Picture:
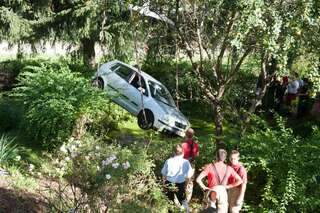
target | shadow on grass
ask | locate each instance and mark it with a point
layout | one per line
(17, 201)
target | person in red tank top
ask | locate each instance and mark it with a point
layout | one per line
(191, 151)
(218, 174)
(190, 146)
(236, 195)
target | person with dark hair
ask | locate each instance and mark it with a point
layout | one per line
(218, 174)
(279, 94)
(191, 151)
(236, 194)
(176, 172)
(303, 99)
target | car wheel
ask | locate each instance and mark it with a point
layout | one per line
(98, 82)
(145, 122)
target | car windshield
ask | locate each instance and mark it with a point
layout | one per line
(160, 93)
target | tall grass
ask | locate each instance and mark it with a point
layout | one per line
(8, 150)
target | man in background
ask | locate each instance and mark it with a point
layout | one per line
(236, 194)
(191, 151)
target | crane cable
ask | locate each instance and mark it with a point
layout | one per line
(138, 67)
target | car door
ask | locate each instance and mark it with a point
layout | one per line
(118, 82)
(134, 93)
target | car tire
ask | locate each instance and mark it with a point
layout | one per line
(98, 83)
(145, 122)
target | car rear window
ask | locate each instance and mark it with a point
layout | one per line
(114, 67)
(123, 71)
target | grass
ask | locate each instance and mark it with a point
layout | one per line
(19, 180)
(8, 150)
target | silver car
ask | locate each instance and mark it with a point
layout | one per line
(142, 96)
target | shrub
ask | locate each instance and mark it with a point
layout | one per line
(282, 169)
(54, 99)
(107, 176)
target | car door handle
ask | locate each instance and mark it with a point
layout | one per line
(125, 97)
(134, 103)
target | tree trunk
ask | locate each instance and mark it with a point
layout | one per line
(268, 69)
(218, 118)
(20, 50)
(79, 129)
(88, 52)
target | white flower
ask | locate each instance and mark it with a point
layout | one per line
(73, 147)
(126, 165)
(78, 142)
(108, 176)
(71, 139)
(106, 162)
(18, 157)
(87, 157)
(67, 159)
(31, 167)
(74, 154)
(113, 157)
(63, 149)
(109, 160)
(115, 165)
(97, 147)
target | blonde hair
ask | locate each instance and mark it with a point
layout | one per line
(235, 152)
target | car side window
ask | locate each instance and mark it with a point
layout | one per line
(123, 71)
(135, 82)
(114, 67)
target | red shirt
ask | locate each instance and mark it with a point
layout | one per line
(213, 180)
(188, 153)
(241, 171)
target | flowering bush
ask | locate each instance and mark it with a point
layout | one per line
(107, 176)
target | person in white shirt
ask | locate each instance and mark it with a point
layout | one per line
(292, 90)
(176, 171)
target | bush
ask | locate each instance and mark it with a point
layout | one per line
(107, 176)
(282, 169)
(55, 99)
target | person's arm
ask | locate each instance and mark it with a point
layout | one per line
(164, 171)
(190, 171)
(236, 183)
(164, 178)
(196, 149)
(243, 185)
(242, 192)
(203, 174)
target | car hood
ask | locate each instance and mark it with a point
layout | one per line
(174, 112)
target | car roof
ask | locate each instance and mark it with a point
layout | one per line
(143, 74)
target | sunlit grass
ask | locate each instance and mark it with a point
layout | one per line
(18, 180)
